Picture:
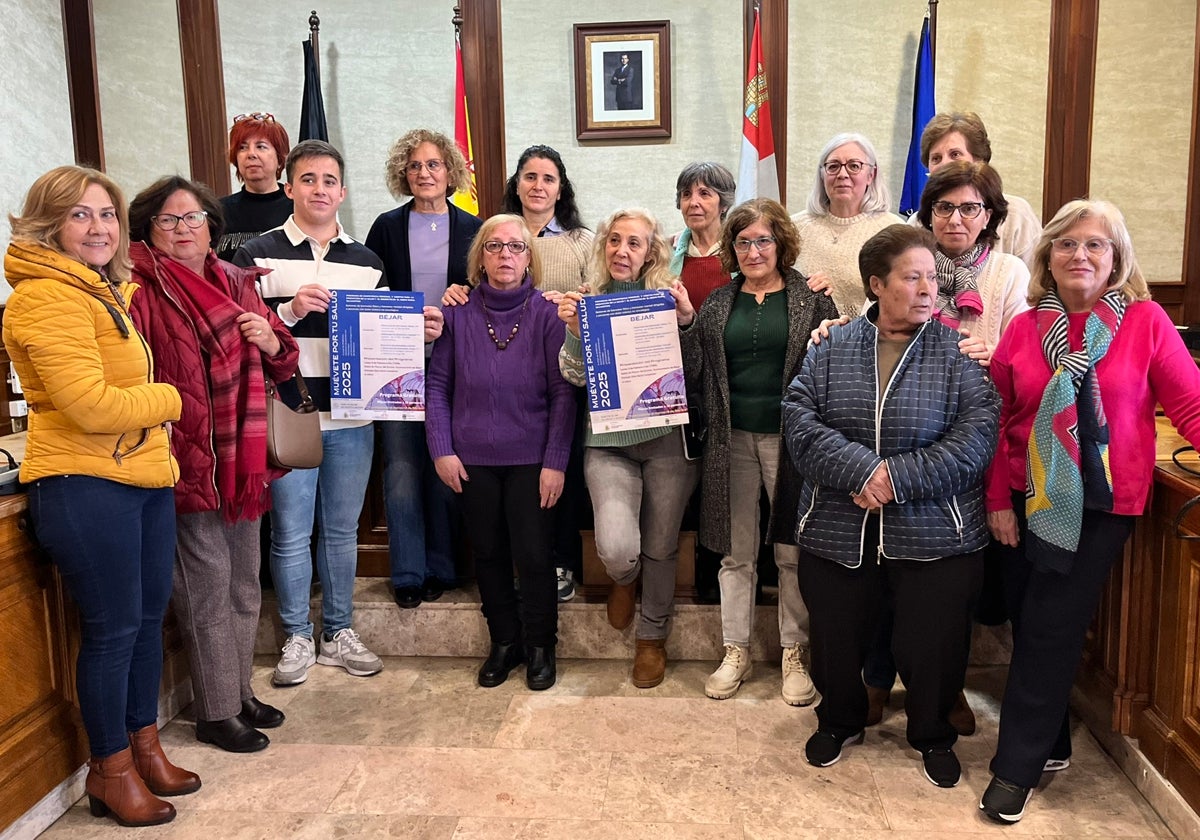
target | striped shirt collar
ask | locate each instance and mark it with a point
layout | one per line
(295, 235)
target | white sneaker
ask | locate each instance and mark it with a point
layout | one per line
(299, 654)
(734, 669)
(346, 651)
(798, 688)
(566, 584)
(1053, 765)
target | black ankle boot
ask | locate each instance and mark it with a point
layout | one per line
(540, 673)
(504, 657)
(232, 735)
(260, 715)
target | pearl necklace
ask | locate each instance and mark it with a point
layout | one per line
(487, 317)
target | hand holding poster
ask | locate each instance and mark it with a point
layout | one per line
(632, 359)
(376, 355)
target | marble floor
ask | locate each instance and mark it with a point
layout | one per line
(421, 752)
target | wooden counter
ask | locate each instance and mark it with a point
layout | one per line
(1143, 654)
(41, 735)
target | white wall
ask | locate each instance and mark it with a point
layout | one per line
(35, 137)
(706, 97)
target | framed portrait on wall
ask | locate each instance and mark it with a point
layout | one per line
(623, 80)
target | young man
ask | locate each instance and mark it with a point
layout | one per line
(309, 255)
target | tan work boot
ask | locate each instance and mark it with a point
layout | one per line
(622, 601)
(734, 669)
(961, 717)
(798, 688)
(650, 662)
(877, 698)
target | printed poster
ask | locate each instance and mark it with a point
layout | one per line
(632, 360)
(376, 355)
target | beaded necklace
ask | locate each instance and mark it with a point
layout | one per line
(487, 317)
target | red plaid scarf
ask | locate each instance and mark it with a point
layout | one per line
(236, 383)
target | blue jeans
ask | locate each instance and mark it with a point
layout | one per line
(114, 546)
(421, 510)
(335, 492)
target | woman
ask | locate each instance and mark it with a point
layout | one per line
(961, 136)
(640, 480)
(703, 193)
(744, 349)
(258, 146)
(541, 193)
(216, 341)
(499, 426)
(423, 244)
(99, 468)
(847, 206)
(892, 428)
(980, 291)
(1093, 357)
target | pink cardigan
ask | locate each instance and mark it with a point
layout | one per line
(1146, 364)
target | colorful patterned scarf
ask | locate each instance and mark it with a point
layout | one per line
(1066, 466)
(958, 295)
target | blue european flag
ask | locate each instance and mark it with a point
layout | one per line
(923, 111)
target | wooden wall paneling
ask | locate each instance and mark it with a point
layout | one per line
(83, 88)
(1191, 234)
(1070, 86)
(204, 92)
(483, 75)
(775, 57)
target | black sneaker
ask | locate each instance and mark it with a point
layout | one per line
(825, 748)
(941, 767)
(1003, 801)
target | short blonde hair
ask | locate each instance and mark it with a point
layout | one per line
(49, 201)
(475, 254)
(398, 155)
(1126, 274)
(656, 270)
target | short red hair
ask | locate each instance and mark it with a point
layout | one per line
(244, 131)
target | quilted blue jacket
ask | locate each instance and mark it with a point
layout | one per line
(935, 427)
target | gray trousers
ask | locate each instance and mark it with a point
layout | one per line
(216, 600)
(753, 465)
(639, 494)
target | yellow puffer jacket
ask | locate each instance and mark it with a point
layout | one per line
(86, 373)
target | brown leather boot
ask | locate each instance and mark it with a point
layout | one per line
(961, 717)
(161, 776)
(650, 662)
(877, 698)
(113, 785)
(622, 601)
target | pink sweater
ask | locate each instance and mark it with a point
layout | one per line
(1146, 364)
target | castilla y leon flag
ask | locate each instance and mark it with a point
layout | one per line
(757, 175)
(468, 199)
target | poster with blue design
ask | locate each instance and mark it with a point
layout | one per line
(632, 361)
(376, 355)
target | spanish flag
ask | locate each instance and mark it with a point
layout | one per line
(467, 200)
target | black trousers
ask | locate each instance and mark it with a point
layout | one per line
(1050, 614)
(507, 526)
(933, 601)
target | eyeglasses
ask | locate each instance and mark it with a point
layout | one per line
(434, 166)
(763, 243)
(833, 167)
(968, 209)
(169, 221)
(495, 246)
(260, 116)
(1066, 247)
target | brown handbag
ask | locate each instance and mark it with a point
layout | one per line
(293, 435)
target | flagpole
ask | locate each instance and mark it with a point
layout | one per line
(314, 36)
(933, 4)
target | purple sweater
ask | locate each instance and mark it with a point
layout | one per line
(495, 407)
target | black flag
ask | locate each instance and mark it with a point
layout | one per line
(312, 108)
